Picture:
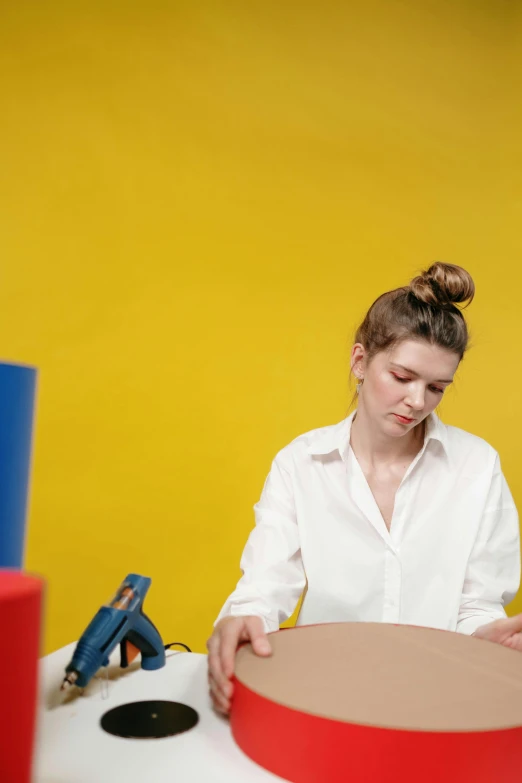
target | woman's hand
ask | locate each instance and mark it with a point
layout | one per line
(506, 632)
(222, 646)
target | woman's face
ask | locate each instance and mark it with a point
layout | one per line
(403, 386)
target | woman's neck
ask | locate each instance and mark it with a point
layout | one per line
(376, 448)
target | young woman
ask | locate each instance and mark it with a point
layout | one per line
(390, 515)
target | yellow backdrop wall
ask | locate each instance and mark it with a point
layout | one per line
(199, 201)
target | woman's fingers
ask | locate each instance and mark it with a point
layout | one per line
(500, 631)
(221, 703)
(217, 681)
(230, 636)
(214, 665)
(514, 642)
(507, 631)
(512, 625)
(258, 637)
(222, 647)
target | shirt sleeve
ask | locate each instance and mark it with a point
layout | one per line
(273, 575)
(493, 570)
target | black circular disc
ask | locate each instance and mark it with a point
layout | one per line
(149, 719)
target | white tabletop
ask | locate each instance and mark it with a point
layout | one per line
(71, 746)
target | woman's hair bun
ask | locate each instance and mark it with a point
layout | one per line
(443, 285)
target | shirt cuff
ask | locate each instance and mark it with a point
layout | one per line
(243, 612)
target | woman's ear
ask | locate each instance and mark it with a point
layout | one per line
(357, 360)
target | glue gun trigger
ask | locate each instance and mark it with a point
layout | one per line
(128, 652)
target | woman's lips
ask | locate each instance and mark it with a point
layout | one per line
(403, 419)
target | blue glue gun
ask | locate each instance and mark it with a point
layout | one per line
(122, 622)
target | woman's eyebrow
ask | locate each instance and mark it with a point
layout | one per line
(412, 372)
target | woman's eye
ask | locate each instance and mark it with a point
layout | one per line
(402, 379)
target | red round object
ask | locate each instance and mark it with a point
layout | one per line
(378, 703)
(20, 623)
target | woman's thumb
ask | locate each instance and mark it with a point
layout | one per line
(259, 639)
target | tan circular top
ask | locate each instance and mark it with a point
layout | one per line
(389, 676)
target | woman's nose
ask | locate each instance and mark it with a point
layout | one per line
(416, 400)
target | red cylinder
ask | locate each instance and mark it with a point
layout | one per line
(306, 748)
(377, 703)
(20, 626)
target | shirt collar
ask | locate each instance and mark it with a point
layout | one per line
(337, 437)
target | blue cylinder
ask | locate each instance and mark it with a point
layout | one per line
(17, 397)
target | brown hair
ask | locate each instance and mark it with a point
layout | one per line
(423, 310)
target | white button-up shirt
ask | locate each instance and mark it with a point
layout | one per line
(450, 560)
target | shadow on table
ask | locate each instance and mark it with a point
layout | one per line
(55, 698)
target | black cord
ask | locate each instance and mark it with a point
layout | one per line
(173, 644)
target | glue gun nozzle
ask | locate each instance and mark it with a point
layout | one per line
(69, 680)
